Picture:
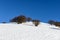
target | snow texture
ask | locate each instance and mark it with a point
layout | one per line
(27, 31)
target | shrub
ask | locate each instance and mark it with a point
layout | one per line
(29, 19)
(57, 24)
(51, 22)
(14, 19)
(3, 22)
(36, 22)
(54, 23)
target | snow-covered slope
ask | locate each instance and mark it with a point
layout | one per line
(27, 31)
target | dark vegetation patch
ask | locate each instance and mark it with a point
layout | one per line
(22, 19)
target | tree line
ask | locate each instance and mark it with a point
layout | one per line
(22, 19)
(52, 22)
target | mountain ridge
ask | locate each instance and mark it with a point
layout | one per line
(27, 31)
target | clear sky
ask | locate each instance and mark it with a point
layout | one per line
(43, 10)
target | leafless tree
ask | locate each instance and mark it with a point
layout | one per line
(21, 19)
(13, 19)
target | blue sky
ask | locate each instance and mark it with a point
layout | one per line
(43, 10)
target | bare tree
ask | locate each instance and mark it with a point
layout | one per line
(14, 19)
(21, 19)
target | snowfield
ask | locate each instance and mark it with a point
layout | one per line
(27, 31)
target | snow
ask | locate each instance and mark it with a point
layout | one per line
(27, 31)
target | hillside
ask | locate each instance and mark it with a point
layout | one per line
(27, 31)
